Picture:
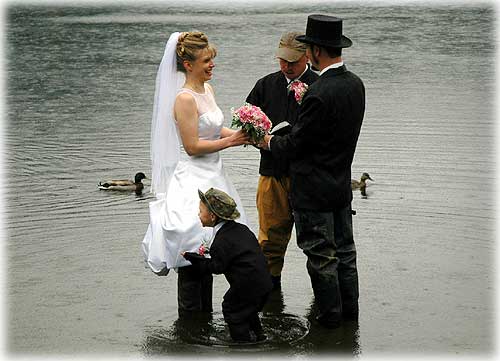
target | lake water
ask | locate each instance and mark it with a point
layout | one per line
(79, 91)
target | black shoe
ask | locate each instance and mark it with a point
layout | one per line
(276, 282)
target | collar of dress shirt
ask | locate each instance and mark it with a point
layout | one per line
(333, 66)
(217, 227)
(290, 80)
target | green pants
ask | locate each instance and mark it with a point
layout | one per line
(275, 220)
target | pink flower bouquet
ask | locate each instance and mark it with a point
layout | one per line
(299, 88)
(252, 120)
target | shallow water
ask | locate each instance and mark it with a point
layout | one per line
(80, 83)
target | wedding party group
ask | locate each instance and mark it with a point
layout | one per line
(305, 119)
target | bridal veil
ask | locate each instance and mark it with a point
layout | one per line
(165, 145)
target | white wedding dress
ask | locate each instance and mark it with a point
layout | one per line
(174, 224)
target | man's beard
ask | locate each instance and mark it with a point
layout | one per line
(313, 60)
(313, 67)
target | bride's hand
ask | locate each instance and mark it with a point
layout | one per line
(239, 137)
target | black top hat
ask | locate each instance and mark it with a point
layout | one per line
(325, 30)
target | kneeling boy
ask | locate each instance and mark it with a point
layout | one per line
(235, 252)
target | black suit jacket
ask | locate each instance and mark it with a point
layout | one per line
(271, 95)
(322, 142)
(235, 252)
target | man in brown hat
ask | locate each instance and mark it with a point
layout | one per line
(321, 148)
(272, 95)
(234, 252)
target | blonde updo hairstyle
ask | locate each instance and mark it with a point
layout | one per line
(189, 45)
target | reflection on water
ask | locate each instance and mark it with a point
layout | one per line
(342, 340)
(287, 334)
(194, 333)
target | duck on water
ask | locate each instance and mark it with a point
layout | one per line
(361, 184)
(124, 185)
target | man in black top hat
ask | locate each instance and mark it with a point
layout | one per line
(321, 146)
(272, 94)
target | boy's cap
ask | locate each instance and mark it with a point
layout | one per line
(219, 203)
(289, 48)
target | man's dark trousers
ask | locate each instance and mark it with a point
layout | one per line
(327, 240)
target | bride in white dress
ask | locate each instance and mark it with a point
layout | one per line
(186, 136)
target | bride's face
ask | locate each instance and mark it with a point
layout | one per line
(203, 66)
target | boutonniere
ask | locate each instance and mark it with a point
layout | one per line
(203, 249)
(299, 88)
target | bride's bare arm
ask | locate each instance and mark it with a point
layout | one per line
(227, 132)
(186, 115)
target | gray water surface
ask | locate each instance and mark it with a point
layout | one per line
(80, 84)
